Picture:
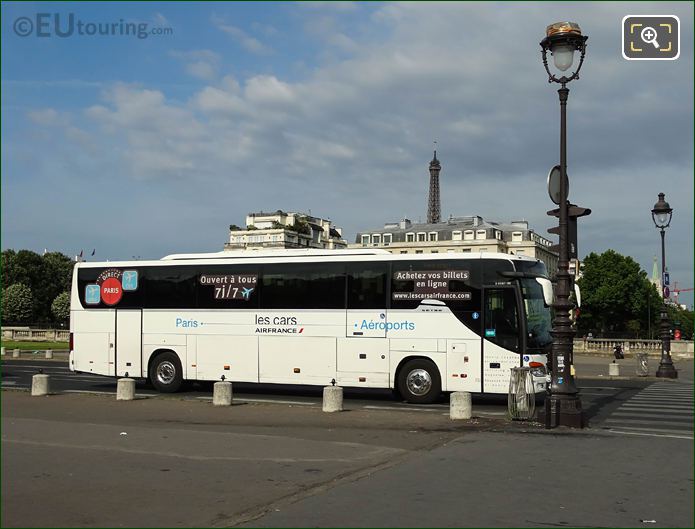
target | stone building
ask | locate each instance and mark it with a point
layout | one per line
(457, 234)
(282, 229)
(460, 234)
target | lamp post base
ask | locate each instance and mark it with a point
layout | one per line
(564, 410)
(666, 371)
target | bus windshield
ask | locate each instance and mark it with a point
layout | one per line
(538, 318)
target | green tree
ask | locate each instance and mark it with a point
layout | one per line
(17, 302)
(617, 297)
(61, 307)
(56, 277)
(46, 276)
(681, 319)
(8, 268)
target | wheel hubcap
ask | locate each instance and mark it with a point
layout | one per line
(419, 382)
(166, 371)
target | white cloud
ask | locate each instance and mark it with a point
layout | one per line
(329, 6)
(203, 64)
(215, 101)
(352, 138)
(202, 70)
(161, 20)
(248, 42)
(44, 116)
(268, 89)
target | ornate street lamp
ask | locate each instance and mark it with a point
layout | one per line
(563, 406)
(661, 214)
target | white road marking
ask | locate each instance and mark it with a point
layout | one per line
(661, 409)
(655, 415)
(641, 422)
(644, 434)
(267, 401)
(391, 408)
(84, 392)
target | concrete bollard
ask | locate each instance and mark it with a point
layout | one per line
(40, 385)
(2, 350)
(222, 394)
(460, 405)
(332, 399)
(49, 354)
(15, 353)
(125, 390)
(613, 369)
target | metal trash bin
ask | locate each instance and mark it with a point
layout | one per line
(521, 401)
(642, 366)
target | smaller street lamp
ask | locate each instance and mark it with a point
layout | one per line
(661, 215)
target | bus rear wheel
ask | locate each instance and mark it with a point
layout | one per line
(166, 374)
(419, 382)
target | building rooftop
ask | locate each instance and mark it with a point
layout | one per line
(452, 223)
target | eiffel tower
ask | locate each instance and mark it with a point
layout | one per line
(434, 212)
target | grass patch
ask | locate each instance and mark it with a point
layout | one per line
(34, 346)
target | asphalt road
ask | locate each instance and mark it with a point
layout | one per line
(599, 397)
(80, 458)
(87, 460)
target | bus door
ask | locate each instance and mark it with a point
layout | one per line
(501, 339)
(366, 300)
(94, 340)
(128, 350)
(363, 355)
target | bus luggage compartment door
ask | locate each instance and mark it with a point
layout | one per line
(128, 342)
(463, 366)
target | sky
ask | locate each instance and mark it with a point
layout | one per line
(142, 147)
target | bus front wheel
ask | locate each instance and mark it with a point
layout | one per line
(419, 382)
(165, 373)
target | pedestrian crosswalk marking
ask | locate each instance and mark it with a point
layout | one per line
(655, 399)
(662, 433)
(661, 410)
(620, 420)
(638, 411)
(652, 415)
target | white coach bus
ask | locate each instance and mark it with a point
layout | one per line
(420, 324)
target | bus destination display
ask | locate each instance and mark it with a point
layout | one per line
(231, 286)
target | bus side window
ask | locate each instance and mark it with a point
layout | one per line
(303, 286)
(501, 318)
(170, 287)
(366, 286)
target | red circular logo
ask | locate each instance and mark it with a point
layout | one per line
(111, 291)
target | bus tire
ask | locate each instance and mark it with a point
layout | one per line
(419, 382)
(166, 374)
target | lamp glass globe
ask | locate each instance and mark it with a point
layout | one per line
(563, 56)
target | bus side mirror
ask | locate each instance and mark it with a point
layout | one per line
(547, 290)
